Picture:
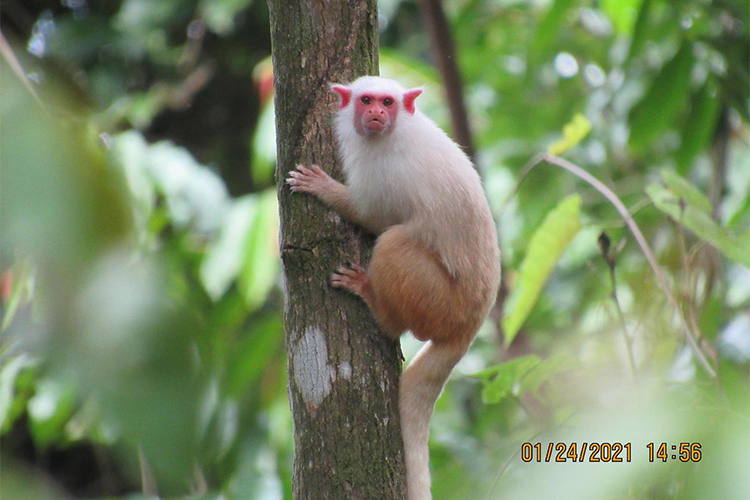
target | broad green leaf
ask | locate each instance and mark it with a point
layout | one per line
(639, 31)
(220, 15)
(549, 26)
(573, 133)
(224, 257)
(547, 369)
(740, 215)
(545, 248)
(195, 195)
(682, 188)
(499, 381)
(130, 152)
(49, 411)
(261, 264)
(663, 101)
(264, 147)
(8, 376)
(699, 127)
(251, 356)
(735, 247)
(622, 13)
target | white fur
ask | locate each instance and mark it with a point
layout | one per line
(415, 173)
(418, 177)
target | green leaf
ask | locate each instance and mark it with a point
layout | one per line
(264, 147)
(545, 248)
(699, 127)
(549, 26)
(8, 376)
(224, 257)
(622, 13)
(639, 31)
(220, 15)
(261, 265)
(663, 101)
(49, 411)
(251, 356)
(546, 370)
(499, 381)
(734, 247)
(682, 188)
(573, 133)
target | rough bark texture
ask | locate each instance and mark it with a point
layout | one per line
(343, 372)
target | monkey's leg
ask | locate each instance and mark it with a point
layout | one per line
(406, 287)
(412, 288)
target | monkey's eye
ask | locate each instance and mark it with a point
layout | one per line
(388, 101)
(366, 100)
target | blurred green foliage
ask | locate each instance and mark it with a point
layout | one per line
(141, 289)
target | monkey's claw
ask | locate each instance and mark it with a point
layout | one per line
(307, 180)
(352, 278)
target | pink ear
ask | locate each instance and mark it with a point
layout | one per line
(409, 97)
(345, 95)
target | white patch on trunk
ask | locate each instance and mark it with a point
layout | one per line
(312, 373)
(345, 370)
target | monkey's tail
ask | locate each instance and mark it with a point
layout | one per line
(420, 386)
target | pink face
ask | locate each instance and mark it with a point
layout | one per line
(375, 112)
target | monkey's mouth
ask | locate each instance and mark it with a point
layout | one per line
(375, 124)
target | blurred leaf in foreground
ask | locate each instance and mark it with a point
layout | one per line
(106, 323)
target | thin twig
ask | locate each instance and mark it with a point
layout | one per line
(10, 58)
(633, 210)
(618, 204)
(611, 260)
(691, 285)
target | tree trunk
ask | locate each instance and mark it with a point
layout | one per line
(343, 372)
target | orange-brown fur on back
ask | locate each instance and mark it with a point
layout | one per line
(435, 268)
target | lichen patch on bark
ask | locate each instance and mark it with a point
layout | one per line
(312, 373)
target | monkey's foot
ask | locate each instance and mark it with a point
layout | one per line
(308, 180)
(354, 279)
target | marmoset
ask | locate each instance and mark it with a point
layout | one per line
(435, 268)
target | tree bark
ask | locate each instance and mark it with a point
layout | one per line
(343, 372)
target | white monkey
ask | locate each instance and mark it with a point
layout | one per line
(435, 268)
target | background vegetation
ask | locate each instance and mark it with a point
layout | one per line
(141, 294)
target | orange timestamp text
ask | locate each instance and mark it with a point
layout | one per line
(576, 452)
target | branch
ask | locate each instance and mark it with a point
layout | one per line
(445, 50)
(612, 197)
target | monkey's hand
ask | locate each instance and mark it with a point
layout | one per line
(311, 180)
(331, 192)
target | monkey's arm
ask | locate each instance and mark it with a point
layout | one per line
(331, 192)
